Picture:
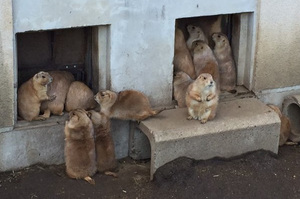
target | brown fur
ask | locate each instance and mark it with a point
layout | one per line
(59, 87)
(80, 153)
(202, 98)
(105, 149)
(182, 57)
(125, 105)
(31, 94)
(285, 127)
(195, 33)
(205, 61)
(180, 83)
(227, 68)
(80, 96)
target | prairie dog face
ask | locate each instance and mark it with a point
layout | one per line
(195, 30)
(105, 97)
(220, 39)
(79, 120)
(42, 78)
(206, 80)
(181, 77)
(200, 47)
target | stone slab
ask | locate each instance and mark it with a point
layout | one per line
(241, 126)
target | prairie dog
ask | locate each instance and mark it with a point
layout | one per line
(285, 127)
(205, 61)
(195, 33)
(182, 57)
(125, 105)
(180, 83)
(59, 87)
(105, 149)
(80, 153)
(202, 98)
(80, 96)
(227, 68)
(31, 94)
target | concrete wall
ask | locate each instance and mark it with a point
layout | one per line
(6, 66)
(141, 45)
(278, 47)
(142, 34)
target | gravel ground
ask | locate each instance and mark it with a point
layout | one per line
(258, 174)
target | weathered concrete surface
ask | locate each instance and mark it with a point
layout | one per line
(291, 108)
(37, 142)
(278, 45)
(6, 66)
(141, 34)
(241, 126)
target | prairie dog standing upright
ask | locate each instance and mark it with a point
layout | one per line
(125, 105)
(31, 94)
(59, 87)
(195, 33)
(182, 57)
(227, 68)
(202, 98)
(80, 96)
(80, 153)
(105, 149)
(205, 61)
(180, 83)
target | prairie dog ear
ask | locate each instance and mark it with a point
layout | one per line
(71, 114)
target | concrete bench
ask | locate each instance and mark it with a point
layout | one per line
(241, 126)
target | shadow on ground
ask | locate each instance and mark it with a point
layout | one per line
(254, 175)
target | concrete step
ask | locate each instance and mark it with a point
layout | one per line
(241, 126)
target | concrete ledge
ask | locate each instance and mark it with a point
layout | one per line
(43, 142)
(241, 126)
(291, 108)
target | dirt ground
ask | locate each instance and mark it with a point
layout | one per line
(254, 175)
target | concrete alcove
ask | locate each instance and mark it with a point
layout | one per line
(291, 108)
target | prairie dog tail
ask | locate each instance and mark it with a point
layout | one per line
(155, 112)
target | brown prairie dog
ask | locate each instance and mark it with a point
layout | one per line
(182, 57)
(195, 33)
(80, 155)
(180, 83)
(80, 96)
(205, 61)
(125, 105)
(227, 68)
(285, 128)
(105, 149)
(31, 94)
(202, 98)
(59, 87)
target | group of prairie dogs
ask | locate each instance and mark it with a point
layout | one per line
(88, 143)
(200, 72)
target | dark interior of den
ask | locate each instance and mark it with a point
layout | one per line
(62, 49)
(228, 24)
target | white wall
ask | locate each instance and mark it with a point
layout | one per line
(142, 33)
(6, 66)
